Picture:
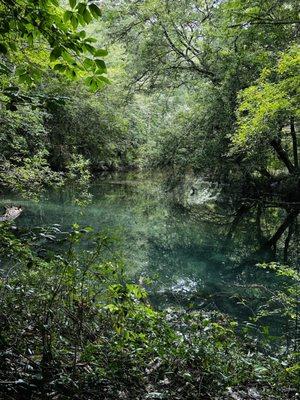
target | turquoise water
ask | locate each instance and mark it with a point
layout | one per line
(179, 234)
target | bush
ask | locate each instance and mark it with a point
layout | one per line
(74, 327)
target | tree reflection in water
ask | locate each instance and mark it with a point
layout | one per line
(199, 244)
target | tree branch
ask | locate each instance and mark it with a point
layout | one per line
(179, 52)
(280, 231)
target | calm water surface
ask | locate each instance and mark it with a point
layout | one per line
(180, 235)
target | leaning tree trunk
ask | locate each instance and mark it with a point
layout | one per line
(282, 155)
(295, 144)
(290, 218)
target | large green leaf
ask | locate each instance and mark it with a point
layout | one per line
(67, 57)
(74, 21)
(81, 7)
(100, 53)
(101, 64)
(72, 3)
(89, 64)
(60, 67)
(68, 15)
(95, 10)
(87, 16)
(104, 79)
(88, 48)
(55, 53)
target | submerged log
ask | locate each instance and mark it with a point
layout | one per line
(11, 213)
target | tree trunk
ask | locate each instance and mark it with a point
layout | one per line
(287, 243)
(259, 231)
(295, 144)
(282, 155)
(290, 218)
(241, 212)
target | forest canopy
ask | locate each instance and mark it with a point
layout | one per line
(216, 71)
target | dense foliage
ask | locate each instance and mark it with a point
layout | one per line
(214, 55)
(73, 326)
(191, 81)
(203, 87)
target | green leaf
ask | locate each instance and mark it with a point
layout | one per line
(89, 64)
(82, 34)
(60, 67)
(81, 7)
(68, 15)
(90, 40)
(26, 78)
(67, 57)
(21, 71)
(88, 48)
(95, 10)
(74, 21)
(87, 16)
(101, 64)
(100, 53)
(81, 20)
(72, 3)
(55, 53)
(104, 79)
(100, 71)
(30, 38)
(88, 80)
(94, 85)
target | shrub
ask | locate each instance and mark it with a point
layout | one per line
(74, 327)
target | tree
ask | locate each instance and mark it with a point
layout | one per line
(269, 113)
(211, 50)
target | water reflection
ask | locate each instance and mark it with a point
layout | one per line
(198, 246)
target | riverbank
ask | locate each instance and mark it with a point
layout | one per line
(73, 326)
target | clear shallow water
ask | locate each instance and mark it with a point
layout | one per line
(180, 235)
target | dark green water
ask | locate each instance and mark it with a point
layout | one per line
(180, 235)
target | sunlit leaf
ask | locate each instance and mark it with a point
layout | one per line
(89, 64)
(100, 53)
(104, 79)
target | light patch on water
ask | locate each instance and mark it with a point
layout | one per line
(195, 191)
(201, 192)
(182, 286)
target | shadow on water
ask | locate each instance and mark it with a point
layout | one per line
(200, 247)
